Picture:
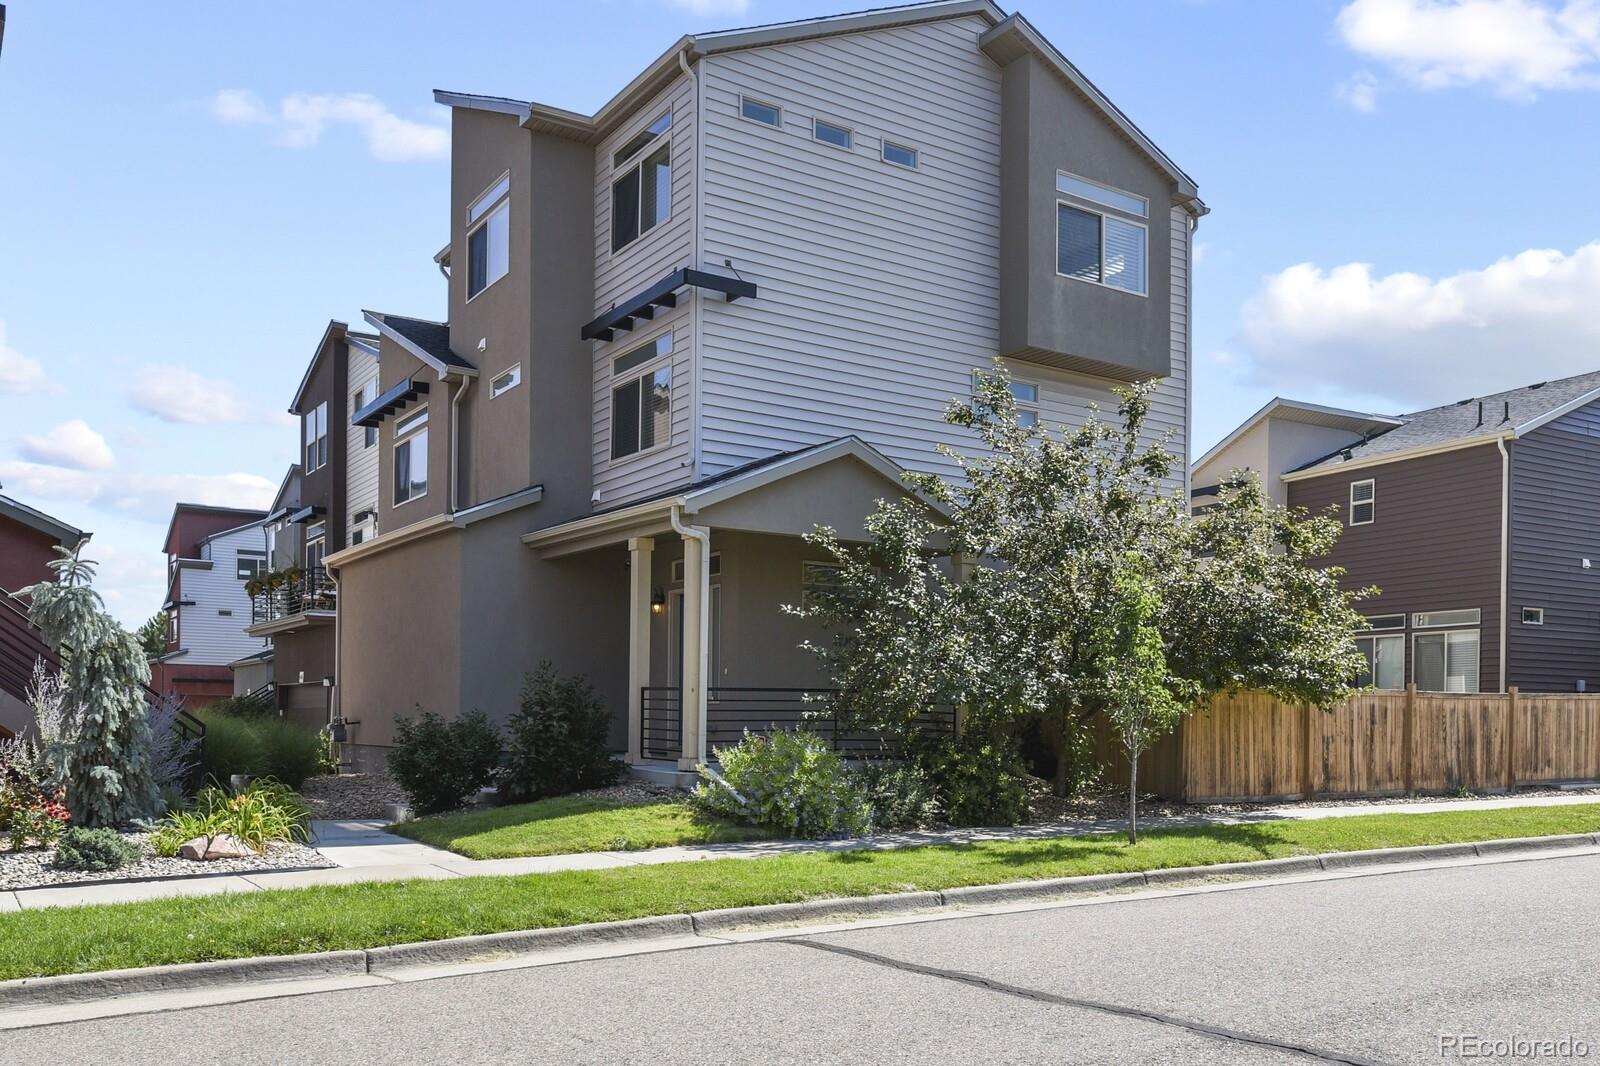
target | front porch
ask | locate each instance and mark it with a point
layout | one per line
(711, 650)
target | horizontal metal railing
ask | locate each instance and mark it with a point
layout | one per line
(313, 590)
(730, 712)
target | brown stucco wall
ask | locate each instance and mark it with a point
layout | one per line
(1434, 544)
(25, 553)
(324, 487)
(394, 364)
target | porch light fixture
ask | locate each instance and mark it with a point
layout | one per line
(658, 601)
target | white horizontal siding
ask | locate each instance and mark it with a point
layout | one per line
(878, 285)
(620, 480)
(361, 474)
(208, 637)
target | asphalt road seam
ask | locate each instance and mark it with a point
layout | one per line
(989, 984)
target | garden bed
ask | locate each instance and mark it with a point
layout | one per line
(31, 868)
(350, 797)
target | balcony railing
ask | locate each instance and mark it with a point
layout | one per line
(731, 711)
(313, 590)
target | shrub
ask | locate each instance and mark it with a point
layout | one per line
(259, 746)
(242, 707)
(290, 752)
(267, 812)
(790, 781)
(980, 778)
(232, 746)
(93, 849)
(32, 808)
(901, 795)
(440, 764)
(557, 740)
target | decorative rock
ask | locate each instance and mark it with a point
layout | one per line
(221, 846)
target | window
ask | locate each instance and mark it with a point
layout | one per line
(251, 564)
(1103, 195)
(641, 405)
(1363, 502)
(489, 239)
(1026, 394)
(1386, 621)
(365, 529)
(818, 577)
(677, 568)
(1436, 619)
(1099, 248)
(1533, 616)
(172, 627)
(828, 133)
(411, 457)
(1446, 662)
(642, 139)
(316, 423)
(641, 196)
(359, 399)
(316, 546)
(899, 155)
(756, 111)
(506, 382)
(1386, 661)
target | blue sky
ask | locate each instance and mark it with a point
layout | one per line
(1402, 193)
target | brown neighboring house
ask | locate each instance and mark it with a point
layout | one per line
(1479, 521)
(28, 542)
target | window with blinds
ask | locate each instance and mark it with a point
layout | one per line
(1096, 243)
(1363, 502)
(1446, 662)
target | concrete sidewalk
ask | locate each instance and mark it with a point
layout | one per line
(364, 851)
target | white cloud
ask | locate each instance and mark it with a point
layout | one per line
(1518, 47)
(712, 7)
(177, 394)
(301, 119)
(20, 375)
(71, 444)
(1418, 341)
(131, 492)
(1360, 91)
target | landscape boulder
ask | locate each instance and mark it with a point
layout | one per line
(221, 846)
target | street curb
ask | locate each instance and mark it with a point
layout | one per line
(490, 946)
(111, 984)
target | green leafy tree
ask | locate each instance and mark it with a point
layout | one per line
(1021, 586)
(105, 756)
(152, 636)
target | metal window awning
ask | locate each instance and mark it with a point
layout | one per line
(663, 294)
(306, 514)
(398, 395)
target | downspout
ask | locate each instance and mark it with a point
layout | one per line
(703, 538)
(1505, 547)
(455, 442)
(696, 253)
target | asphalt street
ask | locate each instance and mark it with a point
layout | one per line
(1368, 969)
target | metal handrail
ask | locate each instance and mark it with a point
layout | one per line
(314, 590)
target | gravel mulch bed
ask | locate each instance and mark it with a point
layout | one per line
(633, 792)
(350, 797)
(32, 869)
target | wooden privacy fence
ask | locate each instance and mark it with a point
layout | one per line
(1249, 745)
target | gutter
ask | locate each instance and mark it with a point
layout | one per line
(703, 645)
(455, 440)
(1505, 548)
(1394, 457)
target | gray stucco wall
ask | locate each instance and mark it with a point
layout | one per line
(1046, 127)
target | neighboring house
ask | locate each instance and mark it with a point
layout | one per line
(731, 305)
(1479, 521)
(326, 501)
(211, 553)
(28, 543)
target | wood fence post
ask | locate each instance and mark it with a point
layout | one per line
(1511, 739)
(1308, 785)
(1408, 737)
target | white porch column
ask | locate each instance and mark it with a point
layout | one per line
(696, 644)
(640, 550)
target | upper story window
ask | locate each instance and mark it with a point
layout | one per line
(316, 545)
(411, 457)
(641, 194)
(489, 236)
(1026, 395)
(899, 155)
(316, 425)
(1101, 244)
(1363, 502)
(829, 133)
(359, 399)
(506, 381)
(641, 398)
(756, 111)
(250, 564)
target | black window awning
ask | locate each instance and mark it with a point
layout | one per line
(663, 294)
(306, 514)
(400, 394)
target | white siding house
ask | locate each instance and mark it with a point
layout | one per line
(213, 609)
(361, 477)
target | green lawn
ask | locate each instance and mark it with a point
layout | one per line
(569, 824)
(69, 940)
